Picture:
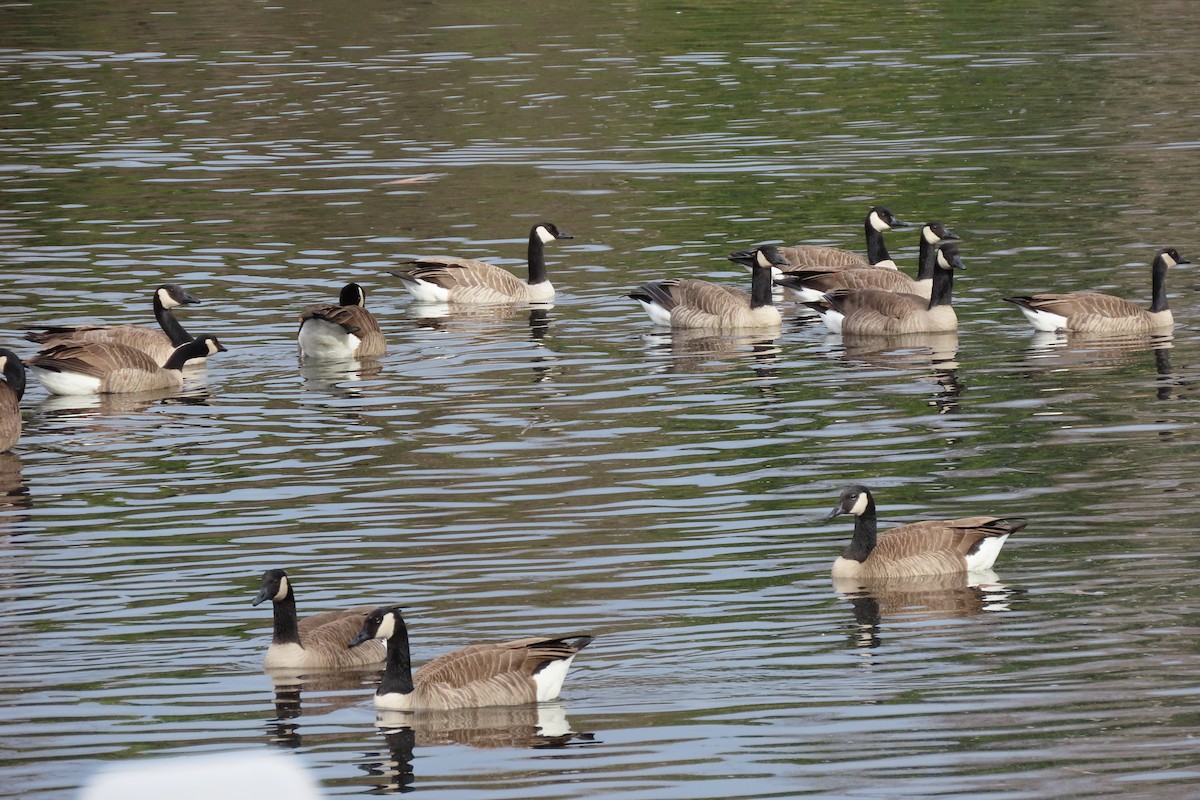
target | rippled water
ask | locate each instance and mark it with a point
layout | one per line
(569, 470)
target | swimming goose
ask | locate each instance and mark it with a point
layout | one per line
(443, 279)
(12, 389)
(877, 313)
(696, 304)
(344, 330)
(318, 641)
(157, 344)
(505, 674)
(933, 547)
(1092, 312)
(878, 220)
(809, 283)
(100, 368)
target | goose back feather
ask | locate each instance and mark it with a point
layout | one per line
(932, 547)
(157, 344)
(342, 330)
(12, 389)
(507, 673)
(1093, 312)
(317, 641)
(446, 279)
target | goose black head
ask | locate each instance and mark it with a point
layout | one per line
(936, 232)
(172, 295)
(947, 257)
(1170, 256)
(855, 499)
(768, 255)
(548, 232)
(380, 624)
(352, 295)
(881, 219)
(275, 587)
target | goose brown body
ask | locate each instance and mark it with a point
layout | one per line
(157, 344)
(342, 330)
(692, 304)
(932, 547)
(810, 256)
(1093, 312)
(12, 389)
(317, 641)
(447, 279)
(810, 282)
(99, 368)
(879, 313)
(502, 674)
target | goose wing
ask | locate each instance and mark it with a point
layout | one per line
(450, 273)
(703, 296)
(94, 359)
(811, 255)
(937, 546)
(490, 674)
(154, 343)
(852, 278)
(1079, 304)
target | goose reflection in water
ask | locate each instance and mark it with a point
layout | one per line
(332, 377)
(302, 694)
(541, 726)
(689, 351)
(932, 597)
(90, 406)
(1076, 351)
(935, 354)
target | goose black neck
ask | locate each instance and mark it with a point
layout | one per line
(14, 375)
(397, 674)
(943, 287)
(170, 325)
(865, 534)
(287, 624)
(537, 259)
(927, 261)
(184, 352)
(1158, 285)
(761, 287)
(876, 250)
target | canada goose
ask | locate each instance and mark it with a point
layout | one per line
(876, 313)
(318, 641)
(443, 279)
(809, 283)
(687, 303)
(932, 547)
(504, 674)
(12, 389)
(878, 220)
(99, 368)
(345, 330)
(1092, 312)
(157, 344)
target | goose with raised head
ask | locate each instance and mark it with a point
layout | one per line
(932, 547)
(1092, 312)
(78, 368)
(445, 279)
(871, 312)
(315, 642)
(157, 344)
(809, 283)
(878, 220)
(342, 330)
(696, 304)
(505, 674)
(12, 389)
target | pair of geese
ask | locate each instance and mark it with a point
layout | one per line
(533, 669)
